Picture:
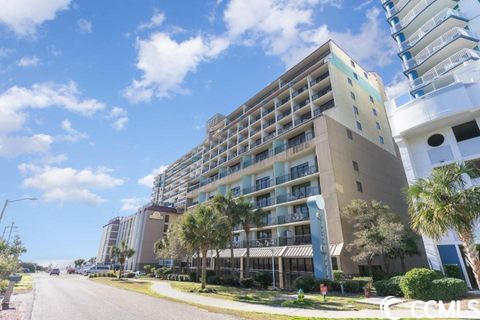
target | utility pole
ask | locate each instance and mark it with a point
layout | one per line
(11, 227)
(10, 201)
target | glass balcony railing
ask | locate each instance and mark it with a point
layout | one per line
(411, 15)
(268, 124)
(301, 105)
(397, 8)
(319, 78)
(257, 187)
(429, 26)
(283, 115)
(436, 46)
(444, 66)
(302, 119)
(321, 93)
(297, 195)
(269, 136)
(295, 217)
(297, 92)
(298, 174)
(263, 203)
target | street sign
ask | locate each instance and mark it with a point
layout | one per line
(323, 290)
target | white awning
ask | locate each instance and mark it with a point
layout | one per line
(266, 252)
(237, 253)
(336, 249)
(298, 252)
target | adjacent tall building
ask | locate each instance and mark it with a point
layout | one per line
(438, 46)
(301, 149)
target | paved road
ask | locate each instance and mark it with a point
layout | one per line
(70, 297)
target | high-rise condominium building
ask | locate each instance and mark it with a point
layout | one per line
(140, 231)
(438, 45)
(315, 138)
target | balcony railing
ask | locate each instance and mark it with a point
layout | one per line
(444, 66)
(283, 101)
(319, 78)
(285, 128)
(303, 119)
(269, 136)
(299, 174)
(297, 92)
(257, 187)
(297, 195)
(263, 203)
(327, 105)
(435, 46)
(292, 144)
(321, 93)
(301, 104)
(429, 26)
(268, 124)
(395, 9)
(411, 15)
(278, 242)
(254, 131)
(283, 115)
(265, 112)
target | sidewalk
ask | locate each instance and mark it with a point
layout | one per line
(164, 288)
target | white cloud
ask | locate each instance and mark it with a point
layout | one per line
(11, 146)
(131, 204)
(68, 184)
(28, 62)
(398, 87)
(24, 16)
(5, 52)
(71, 134)
(147, 180)
(155, 21)
(119, 116)
(166, 62)
(363, 4)
(84, 26)
(15, 103)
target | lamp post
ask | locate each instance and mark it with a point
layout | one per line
(10, 201)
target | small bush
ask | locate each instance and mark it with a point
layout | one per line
(246, 282)
(306, 283)
(129, 275)
(390, 287)
(418, 283)
(332, 285)
(193, 276)
(230, 281)
(337, 275)
(452, 271)
(3, 285)
(354, 285)
(264, 279)
(213, 280)
(449, 289)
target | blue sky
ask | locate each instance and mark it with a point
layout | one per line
(97, 96)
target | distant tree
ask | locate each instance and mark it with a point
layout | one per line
(121, 253)
(92, 260)
(173, 246)
(248, 217)
(9, 257)
(78, 263)
(408, 247)
(444, 202)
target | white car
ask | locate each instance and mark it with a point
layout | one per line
(96, 269)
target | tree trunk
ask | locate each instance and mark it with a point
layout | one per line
(197, 273)
(217, 263)
(232, 261)
(247, 260)
(402, 264)
(471, 252)
(370, 270)
(386, 263)
(204, 268)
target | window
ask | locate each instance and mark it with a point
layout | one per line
(436, 140)
(466, 131)
(167, 218)
(299, 171)
(235, 167)
(349, 134)
(355, 109)
(263, 200)
(382, 141)
(378, 125)
(295, 141)
(352, 63)
(301, 189)
(365, 74)
(352, 95)
(262, 183)
(371, 99)
(375, 113)
(165, 228)
(302, 230)
(301, 209)
(355, 166)
(359, 126)
(261, 156)
(235, 191)
(355, 76)
(359, 186)
(350, 81)
(264, 234)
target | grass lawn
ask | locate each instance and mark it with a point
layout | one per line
(276, 298)
(25, 285)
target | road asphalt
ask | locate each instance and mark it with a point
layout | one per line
(71, 297)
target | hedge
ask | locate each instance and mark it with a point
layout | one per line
(452, 271)
(390, 287)
(449, 289)
(418, 283)
(309, 284)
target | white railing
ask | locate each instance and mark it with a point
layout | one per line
(435, 46)
(411, 15)
(396, 8)
(427, 27)
(447, 64)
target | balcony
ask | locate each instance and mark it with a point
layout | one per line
(303, 119)
(280, 241)
(295, 217)
(283, 101)
(257, 187)
(255, 143)
(428, 27)
(254, 131)
(268, 124)
(436, 46)
(443, 67)
(269, 136)
(320, 109)
(396, 8)
(266, 112)
(319, 78)
(321, 93)
(283, 115)
(290, 145)
(411, 15)
(308, 192)
(301, 105)
(290, 177)
(263, 203)
(297, 92)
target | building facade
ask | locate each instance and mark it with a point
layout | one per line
(140, 231)
(300, 149)
(108, 239)
(439, 125)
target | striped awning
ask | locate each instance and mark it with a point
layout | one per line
(266, 252)
(237, 253)
(336, 249)
(298, 252)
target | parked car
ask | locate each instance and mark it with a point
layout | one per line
(96, 269)
(71, 271)
(55, 271)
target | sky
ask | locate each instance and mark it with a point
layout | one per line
(96, 97)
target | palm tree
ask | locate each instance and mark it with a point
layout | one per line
(248, 216)
(227, 206)
(121, 253)
(443, 202)
(200, 229)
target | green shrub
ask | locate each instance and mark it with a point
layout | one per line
(213, 280)
(230, 281)
(129, 275)
(452, 271)
(306, 283)
(390, 287)
(449, 289)
(3, 285)
(355, 285)
(337, 275)
(264, 279)
(246, 282)
(418, 283)
(193, 276)
(332, 285)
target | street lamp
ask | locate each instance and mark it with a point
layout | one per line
(10, 201)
